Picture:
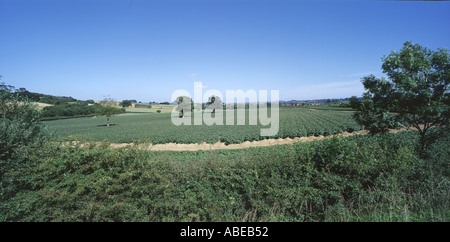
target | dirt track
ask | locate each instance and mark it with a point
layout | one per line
(247, 144)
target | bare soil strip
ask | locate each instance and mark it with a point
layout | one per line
(223, 146)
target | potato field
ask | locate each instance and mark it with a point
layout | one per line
(157, 128)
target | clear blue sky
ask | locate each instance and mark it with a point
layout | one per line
(145, 50)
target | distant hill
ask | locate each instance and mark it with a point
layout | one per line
(45, 98)
(57, 100)
(320, 101)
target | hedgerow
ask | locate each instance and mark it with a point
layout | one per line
(359, 178)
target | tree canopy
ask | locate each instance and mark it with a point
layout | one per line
(415, 92)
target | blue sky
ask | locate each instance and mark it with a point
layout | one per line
(145, 50)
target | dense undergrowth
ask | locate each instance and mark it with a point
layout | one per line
(358, 178)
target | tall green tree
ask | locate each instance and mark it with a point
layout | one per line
(214, 102)
(108, 108)
(415, 93)
(184, 104)
(125, 103)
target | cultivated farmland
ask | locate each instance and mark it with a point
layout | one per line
(157, 128)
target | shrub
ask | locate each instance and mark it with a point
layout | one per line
(19, 123)
(20, 133)
(359, 178)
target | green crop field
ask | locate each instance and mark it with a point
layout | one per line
(158, 128)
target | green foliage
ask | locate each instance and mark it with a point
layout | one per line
(20, 131)
(78, 109)
(416, 93)
(108, 108)
(69, 110)
(127, 103)
(19, 123)
(108, 111)
(294, 122)
(372, 113)
(185, 104)
(359, 178)
(43, 98)
(214, 102)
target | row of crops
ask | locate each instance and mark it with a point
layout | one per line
(158, 128)
(298, 122)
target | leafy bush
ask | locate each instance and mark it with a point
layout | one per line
(359, 178)
(19, 123)
(20, 132)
